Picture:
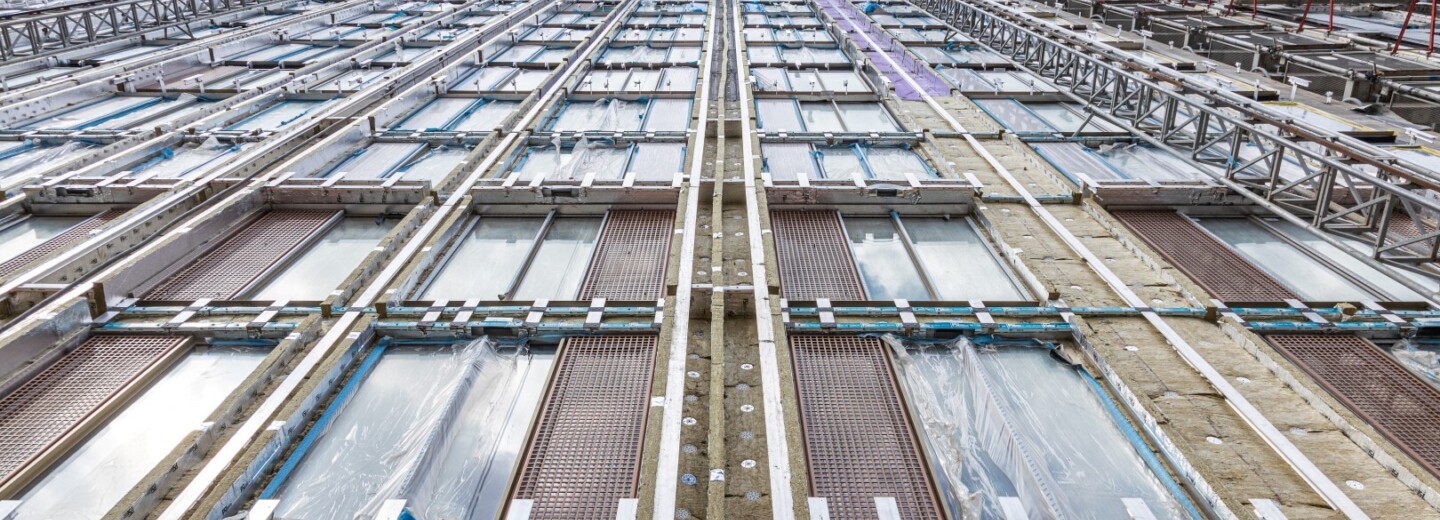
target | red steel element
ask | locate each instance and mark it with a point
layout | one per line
(814, 257)
(584, 454)
(235, 263)
(1403, 25)
(1303, 16)
(1210, 263)
(52, 403)
(630, 260)
(1390, 398)
(61, 241)
(859, 442)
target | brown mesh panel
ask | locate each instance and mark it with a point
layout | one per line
(1210, 263)
(54, 401)
(1399, 405)
(814, 257)
(71, 236)
(226, 270)
(859, 442)
(630, 260)
(584, 455)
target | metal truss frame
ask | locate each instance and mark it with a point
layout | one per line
(34, 35)
(1341, 188)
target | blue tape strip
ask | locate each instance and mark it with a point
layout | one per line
(324, 421)
(1141, 447)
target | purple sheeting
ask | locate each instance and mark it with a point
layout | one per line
(857, 27)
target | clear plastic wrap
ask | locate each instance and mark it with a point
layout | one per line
(1421, 357)
(36, 158)
(439, 426)
(1014, 421)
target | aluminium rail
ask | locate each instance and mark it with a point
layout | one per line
(1333, 195)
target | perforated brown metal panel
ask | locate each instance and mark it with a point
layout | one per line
(226, 270)
(1224, 274)
(814, 257)
(1399, 405)
(584, 454)
(70, 236)
(38, 412)
(630, 260)
(859, 442)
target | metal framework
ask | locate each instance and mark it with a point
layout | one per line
(34, 35)
(1331, 182)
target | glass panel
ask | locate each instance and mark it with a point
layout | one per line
(959, 262)
(643, 81)
(657, 161)
(445, 422)
(93, 113)
(843, 81)
(326, 263)
(867, 117)
(277, 116)
(884, 264)
(375, 161)
(432, 165)
(496, 247)
(804, 80)
(778, 115)
(684, 55)
(668, 115)
(1067, 120)
(680, 79)
(1309, 278)
(840, 164)
(31, 232)
(189, 160)
(1353, 265)
(1144, 162)
(764, 54)
(893, 163)
(562, 260)
(105, 466)
(983, 407)
(603, 114)
(788, 161)
(1014, 116)
(767, 79)
(820, 116)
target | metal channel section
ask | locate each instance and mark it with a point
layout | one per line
(630, 259)
(859, 440)
(1323, 486)
(58, 242)
(814, 257)
(1223, 273)
(1400, 406)
(239, 261)
(52, 404)
(583, 457)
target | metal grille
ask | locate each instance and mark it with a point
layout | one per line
(70, 236)
(814, 257)
(53, 402)
(226, 270)
(1400, 406)
(1224, 274)
(858, 437)
(630, 260)
(584, 455)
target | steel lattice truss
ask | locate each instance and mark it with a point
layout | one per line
(1317, 178)
(29, 36)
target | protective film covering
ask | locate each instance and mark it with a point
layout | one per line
(1014, 421)
(439, 426)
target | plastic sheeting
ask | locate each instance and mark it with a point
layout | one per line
(438, 426)
(1292, 266)
(90, 480)
(1014, 421)
(35, 159)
